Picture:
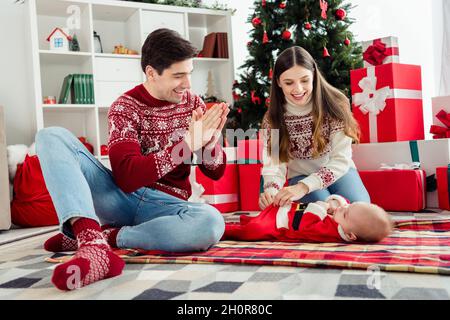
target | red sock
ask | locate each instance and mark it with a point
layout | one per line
(110, 234)
(60, 243)
(93, 260)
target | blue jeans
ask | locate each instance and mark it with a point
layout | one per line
(80, 186)
(349, 186)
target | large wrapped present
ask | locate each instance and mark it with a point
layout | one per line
(380, 51)
(429, 153)
(250, 151)
(222, 194)
(387, 102)
(442, 175)
(396, 190)
(250, 186)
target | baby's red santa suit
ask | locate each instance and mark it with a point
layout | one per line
(298, 222)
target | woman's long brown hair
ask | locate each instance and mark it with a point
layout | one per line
(328, 103)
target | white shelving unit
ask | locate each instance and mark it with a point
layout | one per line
(116, 22)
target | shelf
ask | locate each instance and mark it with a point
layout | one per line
(117, 56)
(211, 60)
(64, 53)
(67, 107)
(64, 57)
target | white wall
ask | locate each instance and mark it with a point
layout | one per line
(15, 74)
(417, 23)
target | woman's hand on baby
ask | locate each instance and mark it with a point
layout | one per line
(289, 194)
(265, 200)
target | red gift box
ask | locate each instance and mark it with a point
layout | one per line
(442, 174)
(387, 102)
(250, 186)
(440, 132)
(250, 151)
(222, 194)
(396, 190)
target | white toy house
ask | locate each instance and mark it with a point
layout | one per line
(59, 40)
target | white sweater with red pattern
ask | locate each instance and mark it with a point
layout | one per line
(146, 146)
(320, 172)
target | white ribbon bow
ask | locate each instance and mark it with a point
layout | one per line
(371, 100)
(401, 166)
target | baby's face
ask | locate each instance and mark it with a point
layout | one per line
(354, 217)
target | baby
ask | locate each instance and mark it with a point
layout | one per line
(333, 220)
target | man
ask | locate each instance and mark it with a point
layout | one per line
(154, 129)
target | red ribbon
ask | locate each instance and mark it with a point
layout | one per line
(441, 132)
(377, 52)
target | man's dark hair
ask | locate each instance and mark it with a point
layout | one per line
(164, 47)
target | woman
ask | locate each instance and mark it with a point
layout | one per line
(315, 130)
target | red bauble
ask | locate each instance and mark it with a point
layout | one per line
(286, 35)
(308, 26)
(263, 3)
(326, 54)
(239, 110)
(340, 14)
(270, 74)
(267, 102)
(282, 5)
(265, 38)
(104, 150)
(249, 43)
(256, 21)
(86, 144)
(347, 41)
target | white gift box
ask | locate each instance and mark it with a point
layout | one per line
(390, 52)
(430, 153)
(440, 103)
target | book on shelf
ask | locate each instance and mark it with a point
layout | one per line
(215, 45)
(66, 89)
(209, 44)
(79, 88)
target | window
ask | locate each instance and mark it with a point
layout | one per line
(58, 42)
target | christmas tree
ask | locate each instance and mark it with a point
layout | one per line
(319, 26)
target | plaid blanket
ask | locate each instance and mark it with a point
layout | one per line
(421, 246)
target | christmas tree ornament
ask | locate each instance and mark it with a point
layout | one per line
(249, 43)
(265, 38)
(270, 74)
(324, 8)
(282, 5)
(256, 21)
(263, 3)
(347, 41)
(268, 102)
(286, 35)
(73, 44)
(326, 54)
(239, 110)
(308, 26)
(255, 99)
(340, 14)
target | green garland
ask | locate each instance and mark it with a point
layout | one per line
(188, 3)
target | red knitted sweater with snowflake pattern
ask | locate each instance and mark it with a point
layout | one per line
(146, 147)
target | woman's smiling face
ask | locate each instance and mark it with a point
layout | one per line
(297, 85)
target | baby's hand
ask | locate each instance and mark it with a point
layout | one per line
(332, 205)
